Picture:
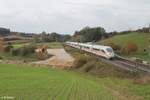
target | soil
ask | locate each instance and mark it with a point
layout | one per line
(59, 59)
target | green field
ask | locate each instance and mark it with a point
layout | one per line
(36, 83)
(141, 39)
(19, 45)
(30, 83)
(55, 45)
(52, 45)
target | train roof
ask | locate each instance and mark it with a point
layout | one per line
(95, 46)
(100, 46)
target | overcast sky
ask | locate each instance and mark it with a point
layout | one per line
(66, 16)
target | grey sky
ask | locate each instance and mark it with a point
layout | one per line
(66, 16)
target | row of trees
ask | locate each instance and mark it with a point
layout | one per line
(52, 37)
(88, 34)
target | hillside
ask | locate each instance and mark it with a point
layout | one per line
(141, 39)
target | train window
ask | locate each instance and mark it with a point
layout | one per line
(109, 50)
(103, 51)
(86, 47)
(96, 49)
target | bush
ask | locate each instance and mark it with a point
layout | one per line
(142, 80)
(27, 50)
(89, 65)
(7, 48)
(113, 45)
(31, 49)
(15, 52)
(80, 61)
(23, 51)
(1, 57)
(129, 47)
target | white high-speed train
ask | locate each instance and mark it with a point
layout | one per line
(100, 50)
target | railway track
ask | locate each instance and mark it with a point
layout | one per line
(123, 63)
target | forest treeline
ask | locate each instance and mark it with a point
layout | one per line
(86, 34)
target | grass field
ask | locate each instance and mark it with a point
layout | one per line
(20, 45)
(36, 83)
(141, 39)
(52, 45)
(55, 45)
(28, 83)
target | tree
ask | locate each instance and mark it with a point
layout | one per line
(44, 37)
(66, 38)
(88, 34)
(129, 47)
(4, 31)
(36, 38)
(54, 37)
(77, 38)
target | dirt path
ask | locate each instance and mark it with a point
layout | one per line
(60, 58)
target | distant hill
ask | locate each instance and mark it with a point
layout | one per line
(141, 39)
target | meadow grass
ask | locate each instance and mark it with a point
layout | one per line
(36, 83)
(52, 45)
(55, 45)
(29, 83)
(19, 45)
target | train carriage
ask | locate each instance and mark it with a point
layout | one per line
(100, 50)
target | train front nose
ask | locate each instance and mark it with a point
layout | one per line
(110, 54)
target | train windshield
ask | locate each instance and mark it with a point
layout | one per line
(109, 49)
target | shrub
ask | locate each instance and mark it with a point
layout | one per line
(132, 46)
(27, 50)
(80, 61)
(31, 48)
(129, 47)
(23, 51)
(1, 57)
(15, 52)
(142, 80)
(7, 48)
(89, 65)
(113, 45)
